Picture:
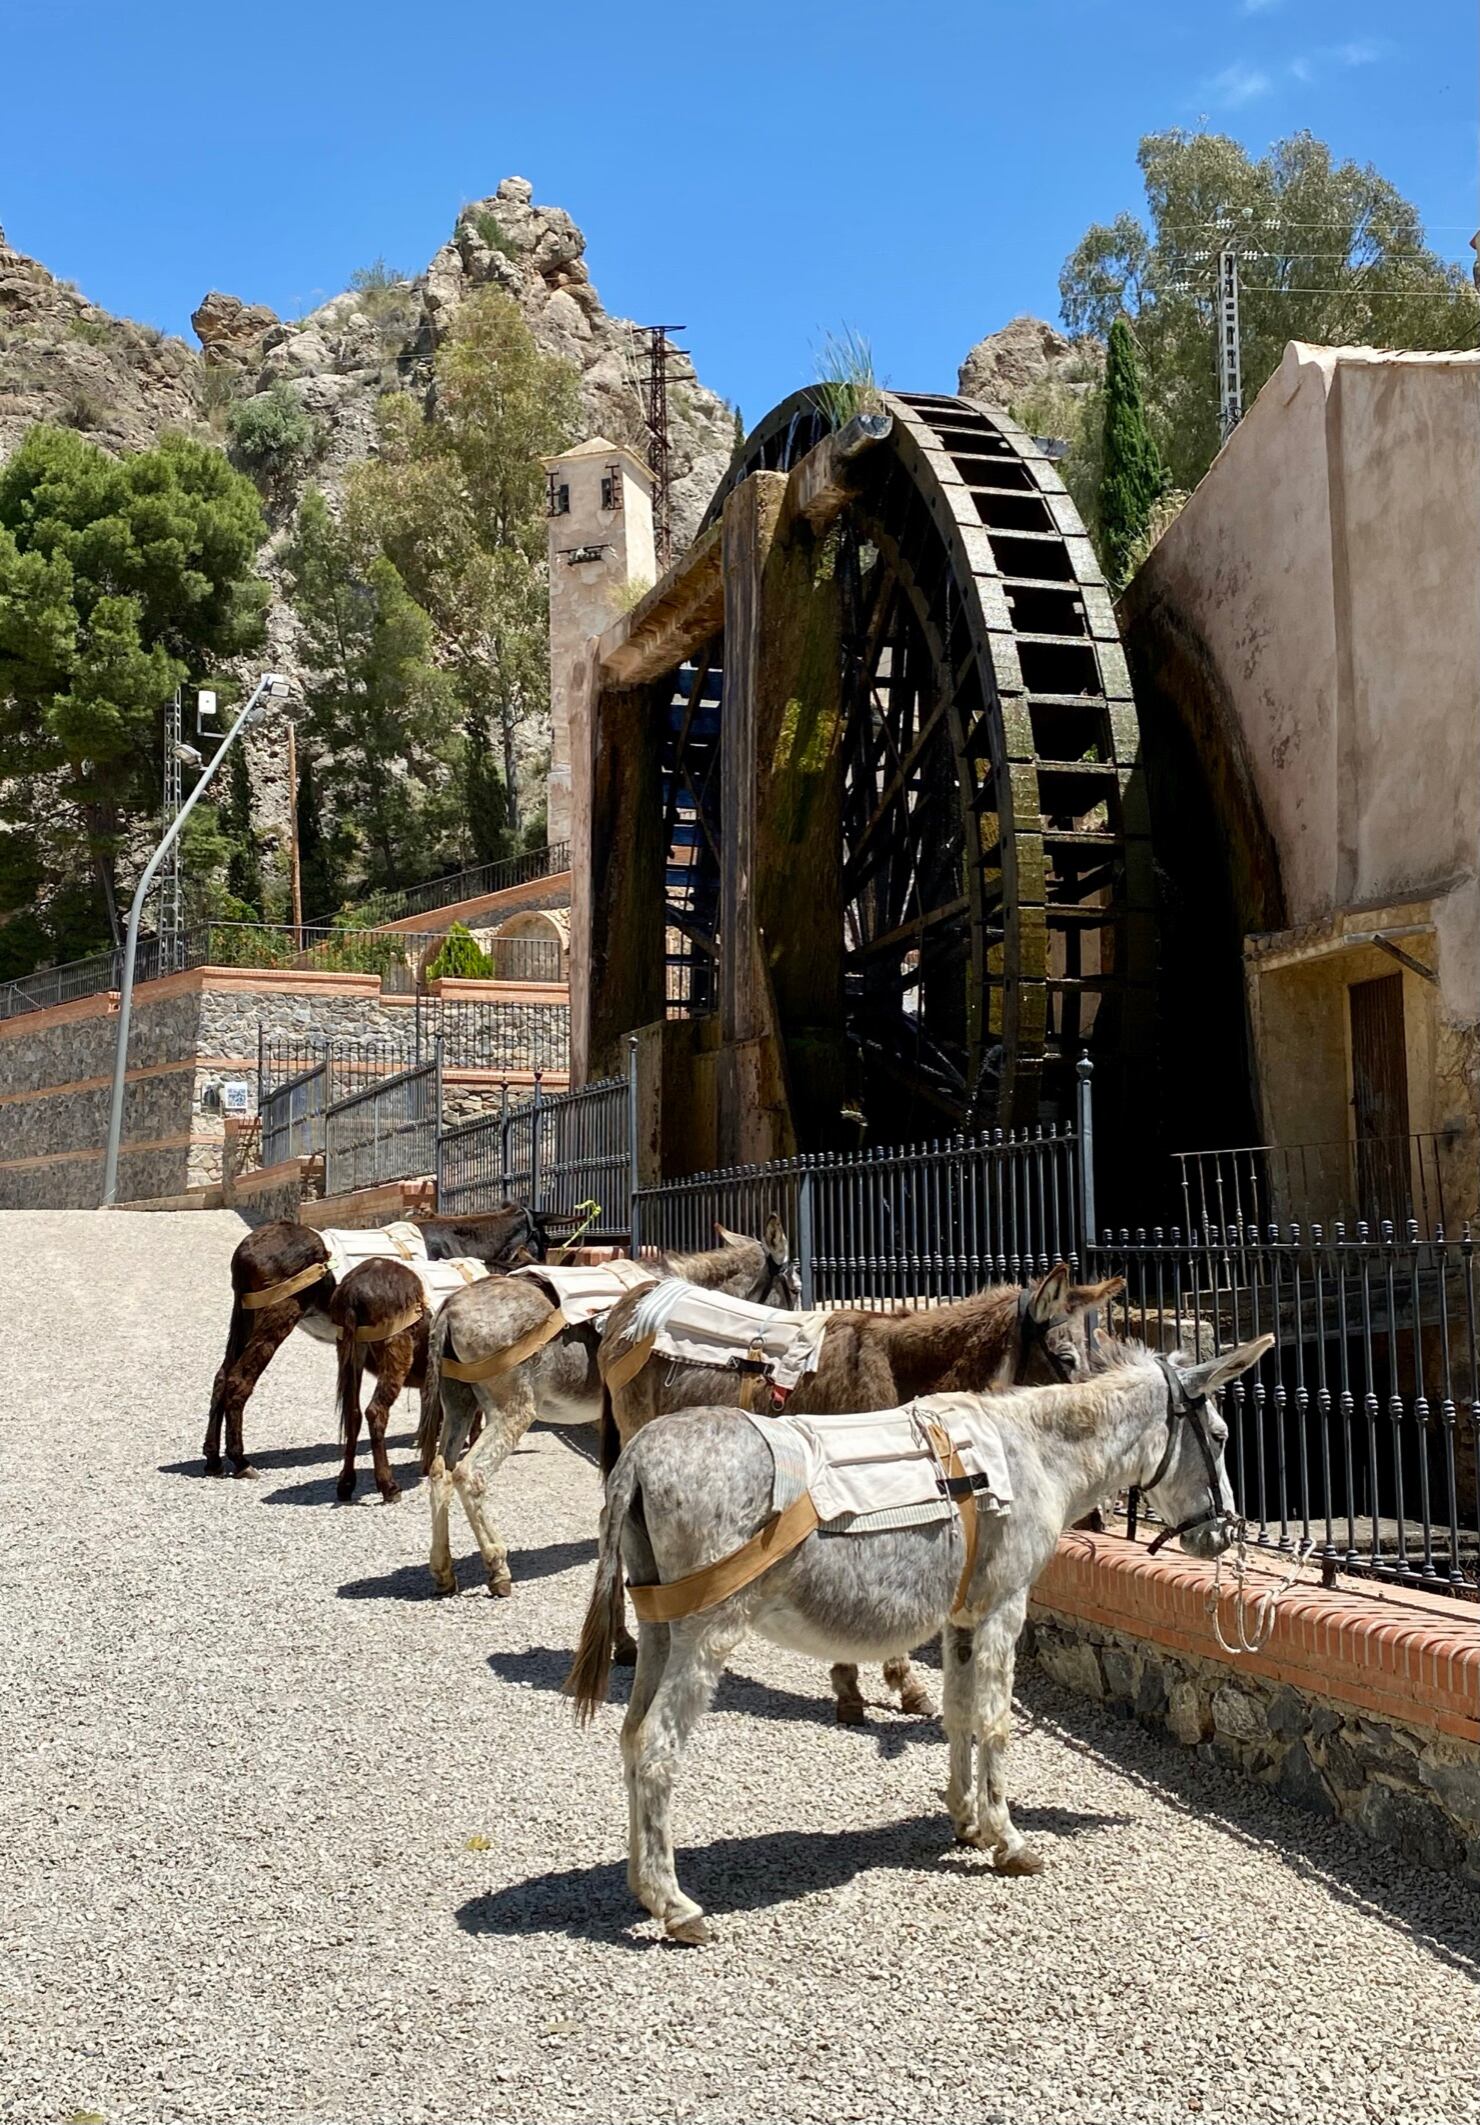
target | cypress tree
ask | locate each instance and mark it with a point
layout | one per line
(1132, 479)
(317, 871)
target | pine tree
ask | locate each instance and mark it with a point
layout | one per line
(1131, 477)
(737, 447)
(486, 798)
(317, 870)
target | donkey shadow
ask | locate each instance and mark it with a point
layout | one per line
(731, 1874)
(543, 1668)
(413, 1582)
(274, 1457)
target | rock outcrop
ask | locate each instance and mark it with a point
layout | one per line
(228, 328)
(1024, 355)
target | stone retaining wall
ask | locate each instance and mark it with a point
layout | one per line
(1365, 1704)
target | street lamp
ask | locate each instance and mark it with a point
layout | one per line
(268, 697)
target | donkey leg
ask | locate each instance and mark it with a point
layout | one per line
(344, 1489)
(395, 1363)
(460, 1415)
(914, 1697)
(996, 1645)
(697, 1651)
(844, 1679)
(273, 1330)
(504, 1426)
(958, 1671)
(652, 1658)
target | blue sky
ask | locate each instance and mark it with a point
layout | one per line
(762, 174)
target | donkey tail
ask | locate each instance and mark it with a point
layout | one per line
(429, 1430)
(351, 1375)
(587, 1680)
(608, 1438)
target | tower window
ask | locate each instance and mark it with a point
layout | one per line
(559, 497)
(611, 488)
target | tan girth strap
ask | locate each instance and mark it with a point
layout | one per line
(525, 1346)
(629, 1364)
(782, 1533)
(950, 1461)
(382, 1331)
(274, 1294)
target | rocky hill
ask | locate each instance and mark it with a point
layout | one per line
(1026, 357)
(63, 359)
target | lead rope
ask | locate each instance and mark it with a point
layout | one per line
(593, 1211)
(1265, 1604)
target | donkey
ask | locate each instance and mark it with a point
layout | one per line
(380, 1319)
(281, 1280)
(556, 1378)
(998, 1338)
(694, 1489)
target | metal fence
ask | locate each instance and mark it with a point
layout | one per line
(554, 1152)
(1374, 1178)
(1359, 1431)
(488, 1034)
(882, 1228)
(292, 1115)
(474, 883)
(387, 1132)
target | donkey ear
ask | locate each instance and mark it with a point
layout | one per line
(775, 1239)
(1048, 1299)
(1207, 1378)
(1083, 1297)
(725, 1237)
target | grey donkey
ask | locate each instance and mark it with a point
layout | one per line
(692, 1489)
(558, 1382)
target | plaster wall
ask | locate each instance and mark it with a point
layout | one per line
(586, 595)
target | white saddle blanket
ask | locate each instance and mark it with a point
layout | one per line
(587, 1291)
(439, 1280)
(401, 1242)
(698, 1327)
(879, 1469)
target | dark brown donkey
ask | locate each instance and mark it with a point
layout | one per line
(1001, 1337)
(281, 1280)
(381, 1320)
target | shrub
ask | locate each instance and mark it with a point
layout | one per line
(461, 956)
(495, 238)
(90, 329)
(269, 436)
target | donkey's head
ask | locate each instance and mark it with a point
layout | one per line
(1056, 1329)
(777, 1278)
(1190, 1483)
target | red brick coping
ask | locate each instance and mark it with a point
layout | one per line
(1400, 1654)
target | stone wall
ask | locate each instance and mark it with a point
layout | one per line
(1364, 1704)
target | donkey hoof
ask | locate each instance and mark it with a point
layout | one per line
(215, 1466)
(624, 1652)
(1024, 1861)
(344, 1489)
(243, 1471)
(500, 1584)
(851, 1712)
(693, 1932)
(445, 1584)
(389, 1492)
(915, 1699)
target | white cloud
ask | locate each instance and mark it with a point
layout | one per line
(1260, 7)
(1238, 85)
(1301, 69)
(1363, 51)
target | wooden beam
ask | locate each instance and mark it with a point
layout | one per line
(824, 482)
(678, 616)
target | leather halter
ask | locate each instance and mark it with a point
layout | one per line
(1181, 1406)
(1033, 1335)
(778, 1273)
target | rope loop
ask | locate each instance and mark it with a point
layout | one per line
(1255, 1640)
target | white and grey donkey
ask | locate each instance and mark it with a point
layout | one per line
(558, 1383)
(692, 1488)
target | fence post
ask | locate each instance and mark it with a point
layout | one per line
(437, 1113)
(804, 1236)
(634, 1237)
(534, 1141)
(1084, 1151)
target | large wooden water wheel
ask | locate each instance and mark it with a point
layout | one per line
(974, 879)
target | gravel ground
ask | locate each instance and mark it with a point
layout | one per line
(283, 1838)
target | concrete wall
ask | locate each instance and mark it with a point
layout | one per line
(1309, 630)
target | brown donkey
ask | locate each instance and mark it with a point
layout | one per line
(281, 1280)
(1001, 1337)
(381, 1321)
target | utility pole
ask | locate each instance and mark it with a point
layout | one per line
(660, 346)
(295, 867)
(271, 692)
(172, 890)
(1230, 352)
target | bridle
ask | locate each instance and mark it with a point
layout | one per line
(785, 1274)
(1193, 1410)
(1033, 1335)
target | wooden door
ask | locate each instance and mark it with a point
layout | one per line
(1380, 1098)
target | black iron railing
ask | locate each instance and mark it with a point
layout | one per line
(473, 883)
(387, 1132)
(1430, 1178)
(555, 1152)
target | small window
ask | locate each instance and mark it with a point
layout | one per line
(611, 488)
(559, 497)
